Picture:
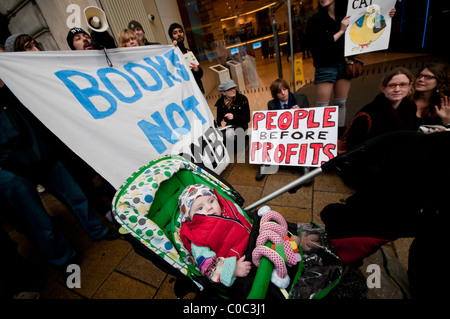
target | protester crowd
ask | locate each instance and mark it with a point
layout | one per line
(33, 160)
(30, 155)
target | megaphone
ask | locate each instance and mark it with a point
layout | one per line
(96, 19)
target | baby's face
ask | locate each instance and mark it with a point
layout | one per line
(205, 205)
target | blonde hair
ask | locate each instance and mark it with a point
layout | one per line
(126, 35)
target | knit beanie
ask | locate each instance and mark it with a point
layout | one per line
(134, 24)
(189, 195)
(11, 42)
(72, 33)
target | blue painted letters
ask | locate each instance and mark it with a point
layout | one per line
(156, 68)
(84, 95)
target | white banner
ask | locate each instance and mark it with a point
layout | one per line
(370, 26)
(294, 137)
(121, 117)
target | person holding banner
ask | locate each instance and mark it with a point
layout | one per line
(78, 39)
(137, 28)
(176, 33)
(82, 172)
(28, 157)
(283, 99)
(128, 38)
(21, 42)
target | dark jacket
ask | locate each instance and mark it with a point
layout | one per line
(239, 108)
(26, 145)
(320, 31)
(146, 42)
(384, 119)
(294, 99)
(197, 74)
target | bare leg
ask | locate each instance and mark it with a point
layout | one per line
(341, 89)
(323, 93)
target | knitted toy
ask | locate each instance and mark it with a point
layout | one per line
(283, 250)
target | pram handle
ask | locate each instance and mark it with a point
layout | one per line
(381, 143)
(331, 164)
(334, 162)
(305, 178)
(284, 189)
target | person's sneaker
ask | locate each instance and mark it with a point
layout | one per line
(259, 176)
(27, 295)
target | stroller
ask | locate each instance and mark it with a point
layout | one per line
(146, 210)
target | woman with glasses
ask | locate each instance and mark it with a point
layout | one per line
(432, 95)
(391, 110)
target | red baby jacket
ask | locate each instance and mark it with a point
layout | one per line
(226, 235)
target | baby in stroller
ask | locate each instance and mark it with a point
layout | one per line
(218, 235)
(147, 207)
(215, 233)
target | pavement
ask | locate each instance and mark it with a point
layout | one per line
(113, 270)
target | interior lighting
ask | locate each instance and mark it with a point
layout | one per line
(250, 12)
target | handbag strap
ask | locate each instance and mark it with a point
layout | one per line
(343, 138)
(369, 119)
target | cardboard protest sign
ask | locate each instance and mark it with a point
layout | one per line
(370, 26)
(118, 118)
(294, 137)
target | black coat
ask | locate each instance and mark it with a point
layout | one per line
(320, 32)
(239, 108)
(26, 145)
(384, 119)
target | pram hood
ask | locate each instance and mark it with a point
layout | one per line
(155, 222)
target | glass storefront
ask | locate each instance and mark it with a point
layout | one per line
(239, 39)
(225, 33)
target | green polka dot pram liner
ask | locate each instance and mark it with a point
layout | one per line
(146, 208)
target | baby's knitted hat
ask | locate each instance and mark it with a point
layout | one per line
(189, 195)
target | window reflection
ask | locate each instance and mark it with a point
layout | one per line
(222, 31)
